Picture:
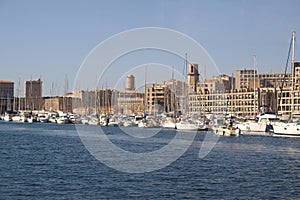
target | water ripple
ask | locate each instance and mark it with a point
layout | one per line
(45, 161)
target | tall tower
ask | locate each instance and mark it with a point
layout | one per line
(33, 94)
(193, 77)
(130, 85)
(6, 95)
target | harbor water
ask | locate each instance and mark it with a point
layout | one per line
(49, 161)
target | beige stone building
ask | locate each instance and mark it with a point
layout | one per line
(158, 99)
(178, 101)
(288, 98)
(129, 102)
(64, 104)
(243, 102)
(216, 84)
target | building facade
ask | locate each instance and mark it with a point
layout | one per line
(243, 102)
(88, 102)
(179, 93)
(6, 96)
(288, 97)
(244, 78)
(63, 104)
(33, 95)
(128, 102)
(158, 99)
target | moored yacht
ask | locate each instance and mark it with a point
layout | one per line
(169, 123)
(187, 125)
(287, 129)
(63, 119)
(263, 123)
(42, 117)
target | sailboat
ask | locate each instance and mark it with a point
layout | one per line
(291, 129)
(185, 122)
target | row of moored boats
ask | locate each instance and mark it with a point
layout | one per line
(264, 124)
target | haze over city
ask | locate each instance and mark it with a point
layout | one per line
(51, 39)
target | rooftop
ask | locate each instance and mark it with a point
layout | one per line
(6, 81)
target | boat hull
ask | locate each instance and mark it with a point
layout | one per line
(187, 127)
(286, 130)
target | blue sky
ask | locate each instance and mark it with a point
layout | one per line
(52, 38)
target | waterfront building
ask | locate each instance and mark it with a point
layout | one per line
(288, 97)
(244, 78)
(274, 80)
(63, 104)
(250, 102)
(210, 95)
(216, 84)
(245, 95)
(128, 102)
(158, 99)
(178, 98)
(296, 69)
(88, 102)
(6, 95)
(284, 98)
(243, 102)
(33, 95)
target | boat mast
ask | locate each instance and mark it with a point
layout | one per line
(293, 73)
(96, 95)
(186, 83)
(19, 94)
(173, 94)
(254, 83)
(51, 94)
(145, 88)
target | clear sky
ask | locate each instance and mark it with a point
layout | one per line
(50, 39)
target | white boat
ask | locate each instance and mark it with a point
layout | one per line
(63, 119)
(84, 121)
(19, 118)
(43, 118)
(113, 123)
(142, 124)
(75, 119)
(52, 117)
(93, 120)
(30, 119)
(169, 123)
(7, 117)
(148, 123)
(262, 124)
(287, 129)
(128, 123)
(186, 125)
(16, 118)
